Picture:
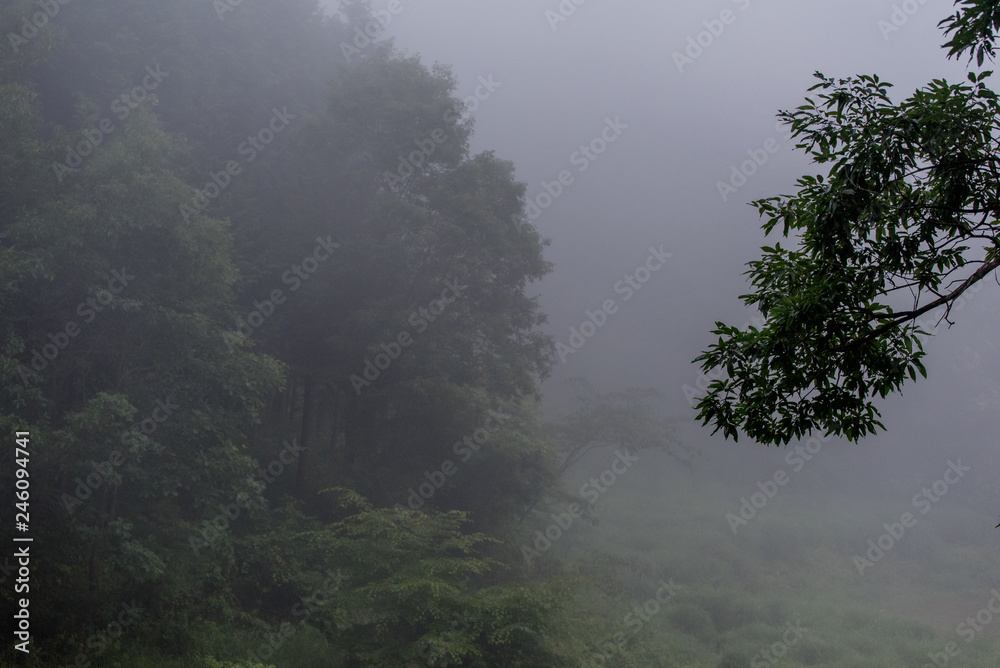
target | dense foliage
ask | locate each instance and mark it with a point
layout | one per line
(901, 225)
(255, 293)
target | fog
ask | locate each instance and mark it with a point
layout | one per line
(658, 183)
(458, 499)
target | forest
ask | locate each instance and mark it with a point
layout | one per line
(278, 387)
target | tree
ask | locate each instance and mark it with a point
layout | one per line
(625, 421)
(112, 356)
(155, 344)
(617, 419)
(416, 588)
(419, 323)
(900, 227)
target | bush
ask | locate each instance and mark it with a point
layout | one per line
(213, 663)
(814, 652)
(728, 612)
(734, 660)
(693, 620)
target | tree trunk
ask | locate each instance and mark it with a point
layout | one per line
(307, 419)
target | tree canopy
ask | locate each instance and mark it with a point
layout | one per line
(250, 289)
(902, 223)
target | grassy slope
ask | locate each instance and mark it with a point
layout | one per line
(791, 563)
(738, 592)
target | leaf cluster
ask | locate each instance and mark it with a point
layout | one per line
(902, 223)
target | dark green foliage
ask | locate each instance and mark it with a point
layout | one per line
(902, 224)
(734, 659)
(389, 586)
(975, 26)
(694, 620)
(161, 428)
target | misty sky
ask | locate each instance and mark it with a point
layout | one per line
(657, 182)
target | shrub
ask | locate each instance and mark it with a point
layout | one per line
(733, 659)
(693, 620)
(214, 663)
